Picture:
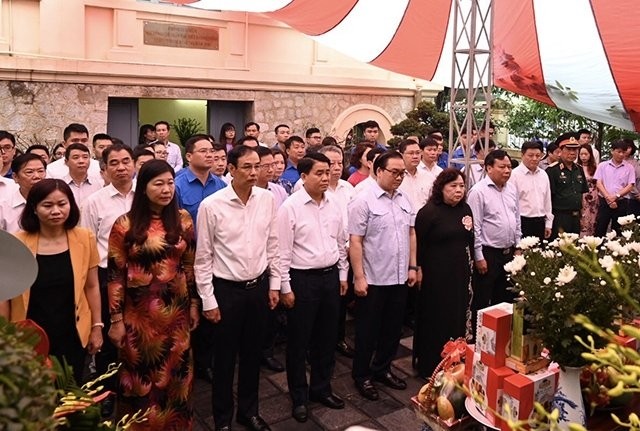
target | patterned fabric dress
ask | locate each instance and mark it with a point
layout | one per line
(152, 285)
(589, 207)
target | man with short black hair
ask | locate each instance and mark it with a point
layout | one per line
(196, 182)
(141, 155)
(77, 158)
(381, 218)
(496, 225)
(219, 160)
(568, 184)
(295, 150)
(174, 157)
(100, 142)
(39, 150)
(465, 145)
(476, 171)
(584, 137)
(265, 175)
(8, 152)
(416, 184)
(253, 129)
(282, 134)
(314, 274)
(237, 252)
(74, 133)
(534, 193)
(615, 180)
(28, 169)
(313, 139)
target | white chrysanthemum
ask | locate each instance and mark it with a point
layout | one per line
(607, 262)
(626, 219)
(515, 265)
(559, 295)
(633, 246)
(603, 283)
(546, 280)
(548, 254)
(611, 235)
(626, 234)
(528, 242)
(522, 293)
(566, 274)
(617, 248)
(554, 243)
(591, 241)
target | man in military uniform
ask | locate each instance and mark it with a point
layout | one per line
(568, 184)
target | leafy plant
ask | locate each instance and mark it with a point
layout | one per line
(27, 392)
(186, 128)
(421, 121)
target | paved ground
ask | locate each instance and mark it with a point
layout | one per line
(391, 412)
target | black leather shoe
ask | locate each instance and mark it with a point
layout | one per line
(332, 401)
(205, 374)
(391, 380)
(255, 423)
(108, 405)
(300, 413)
(367, 390)
(272, 364)
(344, 349)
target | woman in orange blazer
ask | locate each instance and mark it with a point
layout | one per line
(65, 298)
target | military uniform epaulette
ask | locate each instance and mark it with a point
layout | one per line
(553, 164)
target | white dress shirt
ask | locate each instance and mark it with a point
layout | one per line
(11, 209)
(279, 193)
(475, 174)
(100, 211)
(364, 185)
(7, 185)
(236, 241)
(86, 188)
(59, 169)
(534, 193)
(311, 236)
(417, 187)
(175, 156)
(343, 193)
(433, 171)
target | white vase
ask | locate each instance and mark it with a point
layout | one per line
(568, 398)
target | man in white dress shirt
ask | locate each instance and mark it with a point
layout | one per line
(534, 192)
(429, 160)
(416, 185)
(237, 255)
(74, 133)
(175, 154)
(313, 262)
(27, 169)
(77, 159)
(98, 213)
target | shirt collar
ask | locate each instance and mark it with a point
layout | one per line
(233, 196)
(17, 199)
(114, 192)
(307, 198)
(378, 191)
(191, 177)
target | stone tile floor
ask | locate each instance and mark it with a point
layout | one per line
(392, 411)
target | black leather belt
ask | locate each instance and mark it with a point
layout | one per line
(248, 284)
(317, 271)
(504, 251)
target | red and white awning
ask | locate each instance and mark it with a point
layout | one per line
(578, 55)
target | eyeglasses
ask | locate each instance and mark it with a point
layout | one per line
(6, 148)
(268, 166)
(396, 174)
(412, 153)
(250, 168)
(205, 151)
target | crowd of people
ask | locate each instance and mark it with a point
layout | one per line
(171, 268)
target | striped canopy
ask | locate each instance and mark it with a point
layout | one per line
(578, 55)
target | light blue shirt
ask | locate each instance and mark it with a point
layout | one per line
(384, 222)
(459, 154)
(496, 216)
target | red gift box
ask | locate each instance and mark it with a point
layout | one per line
(470, 358)
(495, 385)
(493, 337)
(521, 391)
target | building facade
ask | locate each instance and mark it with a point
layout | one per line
(101, 62)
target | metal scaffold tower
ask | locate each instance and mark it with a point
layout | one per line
(471, 75)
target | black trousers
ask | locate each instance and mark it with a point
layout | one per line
(202, 340)
(312, 325)
(344, 302)
(379, 318)
(565, 221)
(239, 334)
(491, 288)
(108, 353)
(532, 226)
(607, 214)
